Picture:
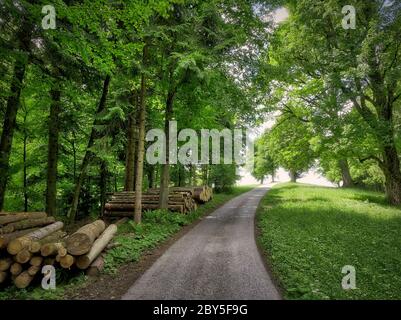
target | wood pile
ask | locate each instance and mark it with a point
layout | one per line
(200, 194)
(122, 204)
(28, 241)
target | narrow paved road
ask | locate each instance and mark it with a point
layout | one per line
(216, 260)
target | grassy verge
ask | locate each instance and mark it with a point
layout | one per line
(310, 233)
(157, 227)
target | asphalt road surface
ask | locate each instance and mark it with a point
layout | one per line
(217, 260)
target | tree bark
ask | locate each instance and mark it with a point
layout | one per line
(151, 176)
(88, 154)
(6, 238)
(84, 261)
(26, 224)
(141, 142)
(10, 118)
(16, 245)
(391, 169)
(13, 102)
(21, 216)
(25, 169)
(345, 173)
(103, 185)
(165, 175)
(293, 176)
(52, 158)
(131, 146)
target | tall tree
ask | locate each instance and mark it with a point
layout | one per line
(22, 49)
(53, 147)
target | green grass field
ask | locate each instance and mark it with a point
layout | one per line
(309, 233)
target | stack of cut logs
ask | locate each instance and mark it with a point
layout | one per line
(182, 200)
(28, 241)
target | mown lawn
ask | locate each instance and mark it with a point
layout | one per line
(310, 233)
(135, 240)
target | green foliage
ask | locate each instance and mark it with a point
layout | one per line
(310, 233)
(223, 177)
(338, 80)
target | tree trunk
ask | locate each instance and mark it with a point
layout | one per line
(345, 173)
(6, 238)
(165, 175)
(9, 218)
(391, 169)
(74, 153)
(84, 262)
(26, 224)
(293, 176)
(10, 118)
(52, 158)
(88, 154)
(13, 103)
(141, 142)
(25, 165)
(103, 185)
(130, 154)
(81, 241)
(16, 245)
(151, 176)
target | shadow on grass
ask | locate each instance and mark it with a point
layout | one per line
(308, 246)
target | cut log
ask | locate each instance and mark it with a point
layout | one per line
(19, 244)
(33, 270)
(96, 267)
(36, 261)
(5, 263)
(3, 276)
(36, 246)
(23, 256)
(26, 224)
(81, 241)
(62, 252)
(6, 238)
(67, 262)
(16, 269)
(145, 207)
(23, 280)
(52, 249)
(85, 261)
(9, 218)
